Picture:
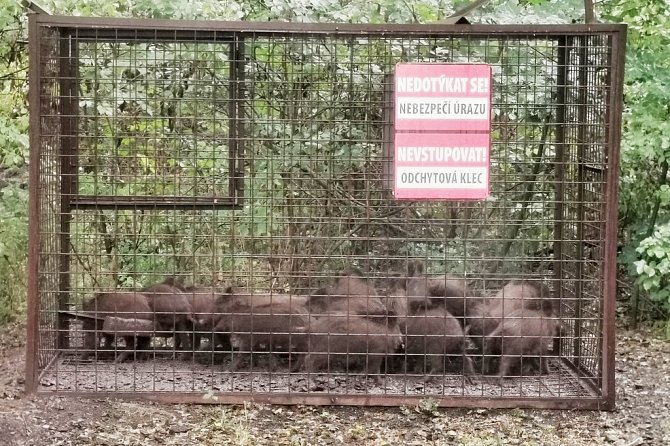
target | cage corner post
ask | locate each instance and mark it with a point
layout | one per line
(617, 55)
(32, 316)
(68, 72)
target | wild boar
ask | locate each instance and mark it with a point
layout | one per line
(350, 341)
(262, 326)
(173, 313)
(522, 335)
(115, 304)
(433, 337)
(350, 294)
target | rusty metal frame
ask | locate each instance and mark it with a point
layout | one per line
(617, 56)
(326, 399)
(130, 29)
(69, 109)
(560, 159)
(122, 28)
(33, 211)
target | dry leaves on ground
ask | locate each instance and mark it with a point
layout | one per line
(642, 415)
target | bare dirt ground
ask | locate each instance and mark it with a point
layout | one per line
(642, 415)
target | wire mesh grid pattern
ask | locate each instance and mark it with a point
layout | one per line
(213, 212)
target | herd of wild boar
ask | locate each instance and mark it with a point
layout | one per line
(415, 324)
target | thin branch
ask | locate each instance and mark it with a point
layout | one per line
(339, 243)
(329, 189)
(8, 76)
(529, 181)
(87, 268)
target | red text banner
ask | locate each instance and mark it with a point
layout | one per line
(442, 165)
(442, 97)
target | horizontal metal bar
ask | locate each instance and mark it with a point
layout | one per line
(172, 26)
(116, 34)
(81, 315)
(597, 168)
(151, 202)
(325, 399)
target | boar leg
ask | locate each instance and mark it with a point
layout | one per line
(237, 358)
(509, 364)
(373, 367)
(468, 367)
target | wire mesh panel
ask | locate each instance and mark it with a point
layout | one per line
(213, 213)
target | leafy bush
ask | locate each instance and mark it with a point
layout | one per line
(13, 251)
(13, 159)
(645, 147)
(653, 268)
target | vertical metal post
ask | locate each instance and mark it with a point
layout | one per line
(387, 133)
(582, 143)
(68, 70)
(589, 16)
(614, 108)
(559, 169)
(33, 326)
(236, 121)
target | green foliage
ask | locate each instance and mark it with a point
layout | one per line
(153, 123)
(532, 11)
(647, 21)
(12, 29)
(428, 407)
(645, 150)
(653, 268)
(14, 141)
(162, 9)
(13, 70)
(13, 251)
(13, 158)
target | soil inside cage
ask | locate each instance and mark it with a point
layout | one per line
(69, 374)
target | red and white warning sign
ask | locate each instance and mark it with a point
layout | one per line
(442, 97)
(442, 131)
(442, 165)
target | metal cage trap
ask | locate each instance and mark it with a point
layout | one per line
(212, 211)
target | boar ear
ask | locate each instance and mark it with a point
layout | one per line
(437, 289)
(223, 300)
(411, 267)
